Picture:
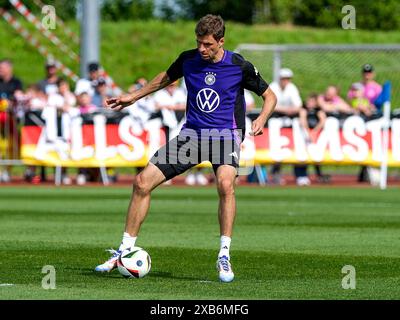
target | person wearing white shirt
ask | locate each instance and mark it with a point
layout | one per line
(288, 96)
(171, 101)
(288, 104)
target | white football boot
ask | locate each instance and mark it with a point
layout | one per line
(225, 269)
(111, 263)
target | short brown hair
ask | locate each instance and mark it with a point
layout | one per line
(211, 24)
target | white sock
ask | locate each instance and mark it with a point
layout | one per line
(127, 241)
(225, 245)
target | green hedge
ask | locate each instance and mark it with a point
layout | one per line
(370, 14)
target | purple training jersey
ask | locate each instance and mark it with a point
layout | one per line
(215, 97)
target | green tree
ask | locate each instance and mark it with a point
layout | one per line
(127, 9)
(234, 10)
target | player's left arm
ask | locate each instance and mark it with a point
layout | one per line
(253, 81)
(269, 104)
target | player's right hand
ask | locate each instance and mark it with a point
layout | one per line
(118, 103)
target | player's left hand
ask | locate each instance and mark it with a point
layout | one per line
(257, 127)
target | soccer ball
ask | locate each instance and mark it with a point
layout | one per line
(134, 263)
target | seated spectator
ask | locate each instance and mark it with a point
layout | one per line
(69, 99)
(359, 102)
(331, 102)
(37, 98)
(37, 101)
(86, 106)
(312, 120)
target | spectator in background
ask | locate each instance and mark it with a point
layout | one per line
(69, 99)
(143, 109)
(371, 89)
(287, 93)
(312, 120)
(288, 104)
(9, 87)
(66, 110)
(171, 101)
(37, 101)
(9, 84)
(49, 84)
(359, 102)
(331, 102)
(86, 106)
(89, 85)
(250, 102)
(100, 93)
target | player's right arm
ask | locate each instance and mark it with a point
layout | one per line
(174, 72)
(159, 82)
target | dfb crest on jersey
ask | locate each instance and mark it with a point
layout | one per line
(210, 78)
(207, 100)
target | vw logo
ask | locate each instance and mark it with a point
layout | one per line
(207, 100)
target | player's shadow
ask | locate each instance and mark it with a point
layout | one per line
(154, 274)
(169, 275)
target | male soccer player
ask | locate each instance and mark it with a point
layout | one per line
(215, 123)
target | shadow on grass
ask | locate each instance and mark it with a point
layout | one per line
(153, 274)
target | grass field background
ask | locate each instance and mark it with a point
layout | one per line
(289, 243)
(132, 49)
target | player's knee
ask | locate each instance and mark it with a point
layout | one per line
(141, 185)
(226, 187)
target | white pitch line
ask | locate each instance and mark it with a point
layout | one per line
(6, 284)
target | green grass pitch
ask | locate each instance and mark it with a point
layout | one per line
(289, 243)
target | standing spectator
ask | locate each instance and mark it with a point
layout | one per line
(371, 91)
(9, 87)
(288, 104)
(49, 84)
(101, 93)
(89, 85)
(312, 121)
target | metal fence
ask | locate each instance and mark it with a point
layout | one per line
(315, 67)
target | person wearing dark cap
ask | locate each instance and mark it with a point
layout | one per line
(372, 89)
(49, 84)
(100, 93)
(89, 85)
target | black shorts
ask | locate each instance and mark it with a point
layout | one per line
(182, 153)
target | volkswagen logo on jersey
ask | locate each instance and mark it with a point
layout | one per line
(210, 78)
(207, 100)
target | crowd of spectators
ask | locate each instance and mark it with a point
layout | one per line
(90, 94)
(359, 100)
